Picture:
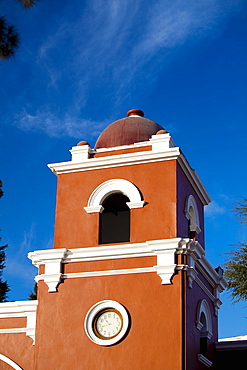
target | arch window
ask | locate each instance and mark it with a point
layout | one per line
(191, 213)
(204, 325)
(203, 336)
(96, 199)
(113, 200)
(115, 220)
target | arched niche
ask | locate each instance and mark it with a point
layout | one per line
(192, 215)
(204, 319)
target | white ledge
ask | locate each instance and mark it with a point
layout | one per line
(114, 161)
(164, 250)
(20, 309)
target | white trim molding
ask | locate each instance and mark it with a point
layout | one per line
(110, 187)
(52, 259)
(164, 250)
(20, 309)
(161, 142)
(117, 160)
(191, 213)
(197, 262)
(80, 152)
(194, 179)
(203, 307)
(10, 362)
(163, 149)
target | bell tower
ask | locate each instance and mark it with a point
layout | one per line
(127, 285)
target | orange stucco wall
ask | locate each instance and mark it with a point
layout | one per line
(155, 338)
(111, 264)
(75, 228)
(16, 346)
(153, 342)
(13, 322)
(19, 348)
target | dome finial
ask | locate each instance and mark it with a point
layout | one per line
(135, 112)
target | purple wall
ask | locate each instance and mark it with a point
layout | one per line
(196, 294)
(184, 188)
(193, 297)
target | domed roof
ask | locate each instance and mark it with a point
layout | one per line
(129, 130)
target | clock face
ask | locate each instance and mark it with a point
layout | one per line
(108, 323)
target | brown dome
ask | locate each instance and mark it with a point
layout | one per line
(129, 130)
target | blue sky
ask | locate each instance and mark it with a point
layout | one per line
(83, 64)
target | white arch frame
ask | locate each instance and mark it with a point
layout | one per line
(110, 187)
(191, 213)
(203, 307)
(10, 362)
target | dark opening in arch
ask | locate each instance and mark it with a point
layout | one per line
(203, 336)
(114, 221)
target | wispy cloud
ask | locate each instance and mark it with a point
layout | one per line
(21, 270)
(213, 210)
(111, 48)
(27, 241)
(121, 36)
(18, 264)
(46, 121)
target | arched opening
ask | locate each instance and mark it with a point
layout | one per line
(203, 335)
(204, 325)
(191, 232)
(114, 223)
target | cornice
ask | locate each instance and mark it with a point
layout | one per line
(194, 180)
(196, 261)
(163, 149)
(164, 250)
(17, 308)
(20, 309)
(207, 270)
(128, 159)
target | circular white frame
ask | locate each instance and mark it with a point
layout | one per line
(94, 311)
